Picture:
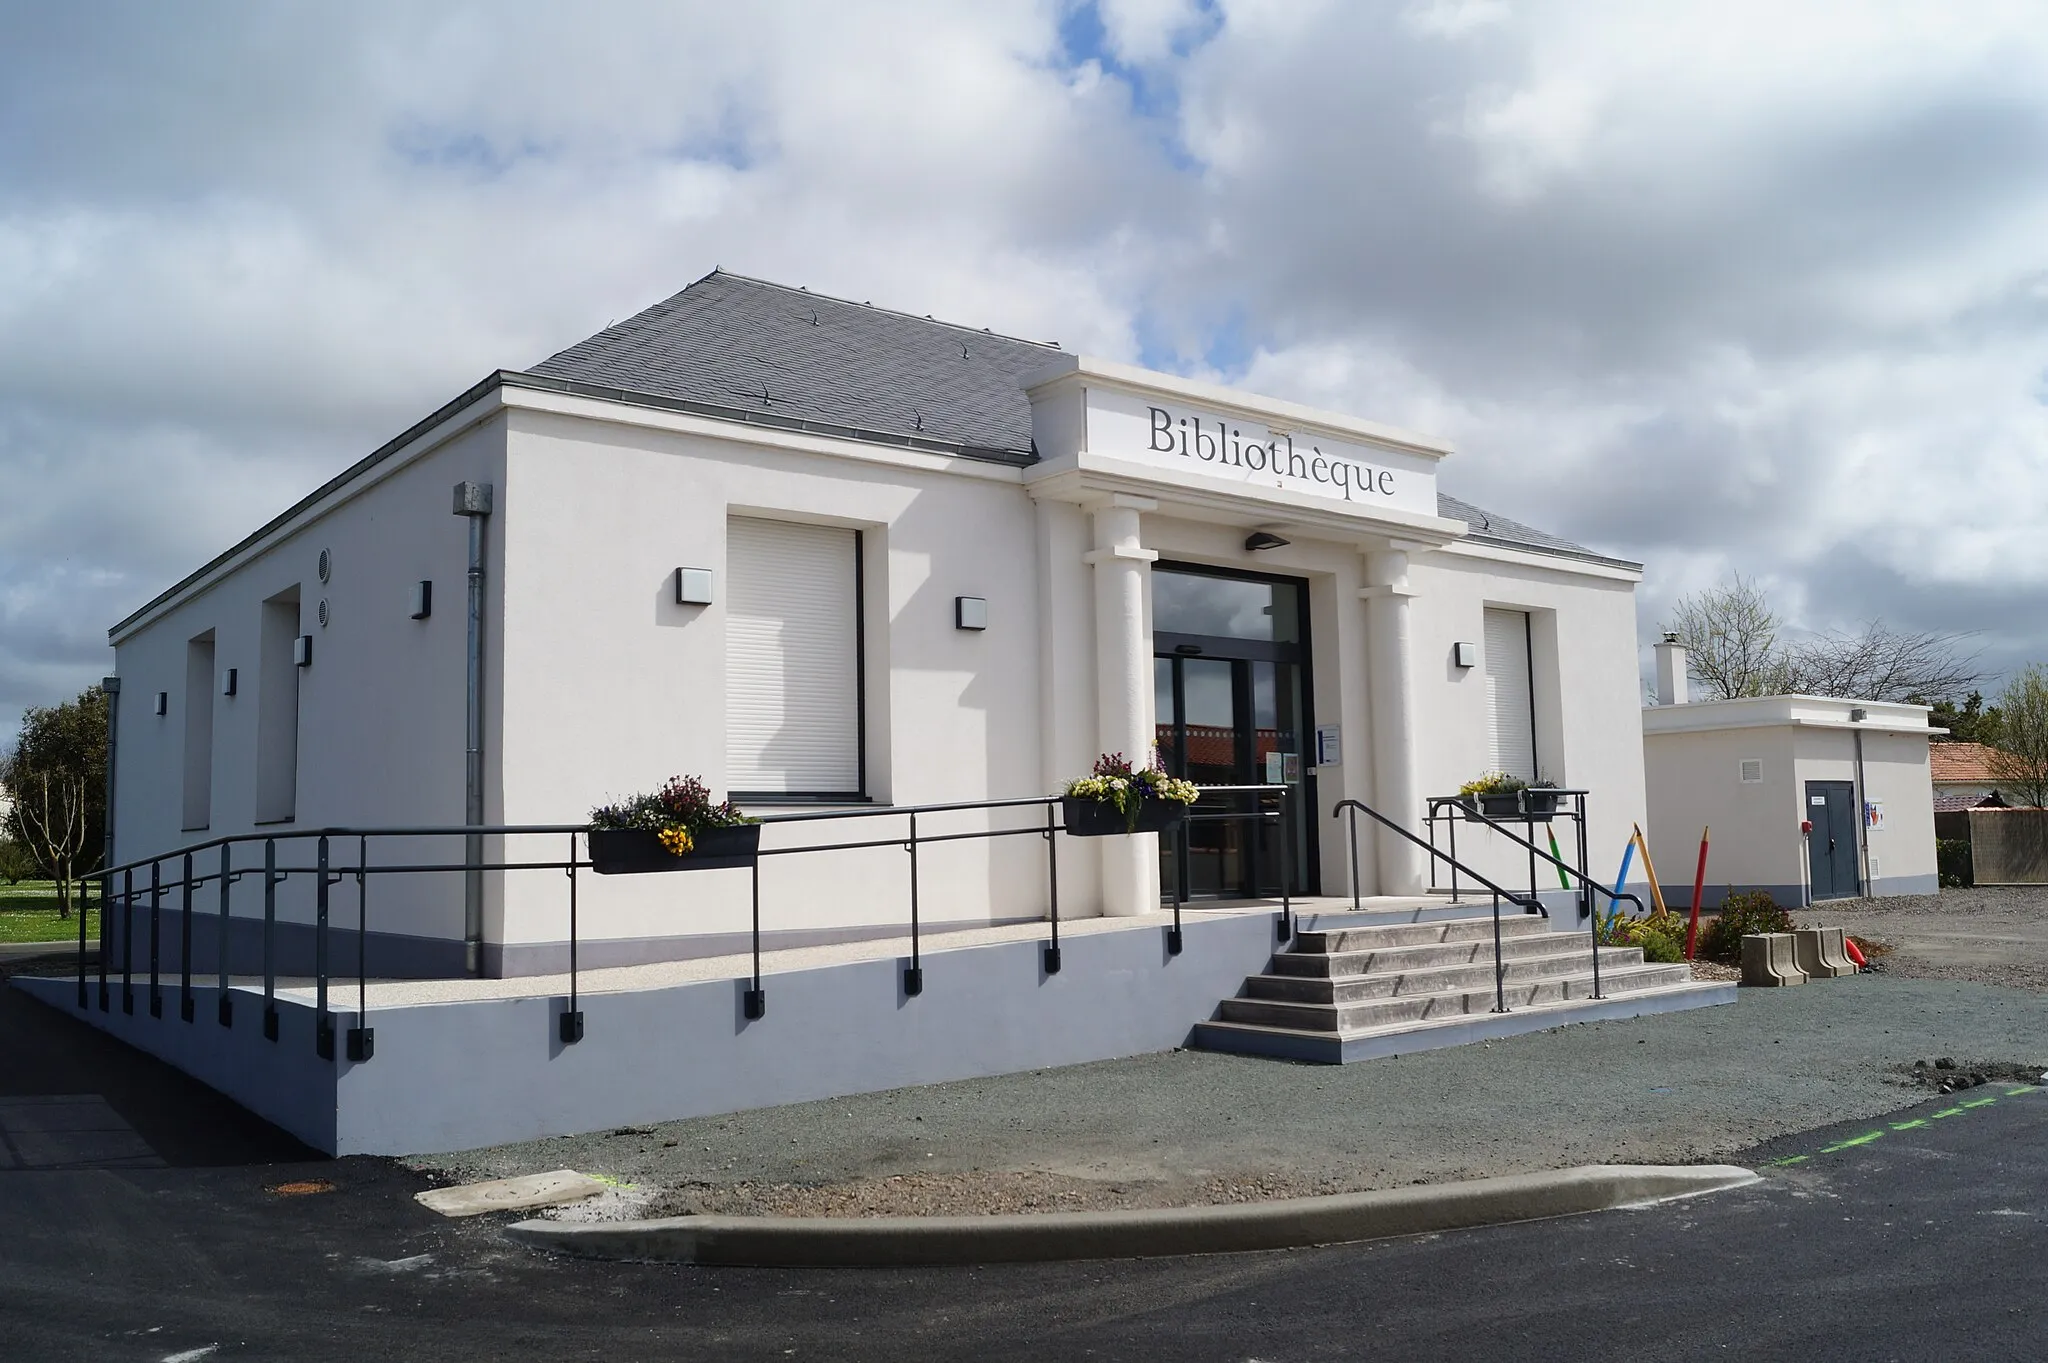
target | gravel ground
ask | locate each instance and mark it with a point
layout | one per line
(1990, 935)
(1188, 1127)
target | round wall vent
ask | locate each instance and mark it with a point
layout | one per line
(323, 612)
(326, 565)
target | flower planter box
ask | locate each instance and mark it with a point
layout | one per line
(1095, 819)
(1542, 806)
(635, 851)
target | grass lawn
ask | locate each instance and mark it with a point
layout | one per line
(28, 913)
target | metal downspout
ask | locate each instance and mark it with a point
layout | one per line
(1862, 810)
(112, 687)
(473, 500)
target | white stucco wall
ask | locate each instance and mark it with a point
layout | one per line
(1584, 674)
(381, 708)
(1693, 754)
(598, 684)
(611, 687)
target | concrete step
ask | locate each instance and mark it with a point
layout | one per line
(1377, 938)
(1405, 1038)
(1400, 959)
(1387, 1012)
(1431, 980)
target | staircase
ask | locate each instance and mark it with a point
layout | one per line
(1359, 986)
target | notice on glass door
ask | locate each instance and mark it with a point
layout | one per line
(1329, 746)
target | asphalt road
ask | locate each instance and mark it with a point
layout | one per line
(149, 1231)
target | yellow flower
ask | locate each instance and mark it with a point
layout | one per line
(676, 840)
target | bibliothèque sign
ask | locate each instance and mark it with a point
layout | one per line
(1185, 439)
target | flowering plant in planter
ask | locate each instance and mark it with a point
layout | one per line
(674, 828)
(1494, 794)
(1144, 799)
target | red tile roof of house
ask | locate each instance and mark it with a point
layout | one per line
(1960, 763)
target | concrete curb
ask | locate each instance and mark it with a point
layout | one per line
(884, 1241)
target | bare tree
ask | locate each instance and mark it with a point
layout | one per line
(1735, 647)
(1881, 663)
(2019, 760)
(1731, 641)
(57, 776)
(52, 809)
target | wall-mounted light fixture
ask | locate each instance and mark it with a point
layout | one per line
(302, 651)
(422, 600)
(1465, 655)
(693, 586)
(1264, 539)
(970, 612)
(227, 680)
(163, 702)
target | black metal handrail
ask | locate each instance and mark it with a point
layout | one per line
(360, 1039)
(1531, 904)
(1587, 884)
(1471, 809)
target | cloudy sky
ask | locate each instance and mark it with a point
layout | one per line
(1729, 285)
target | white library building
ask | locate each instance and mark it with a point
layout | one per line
(829, 556)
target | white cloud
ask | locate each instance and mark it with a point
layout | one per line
(1716, 285)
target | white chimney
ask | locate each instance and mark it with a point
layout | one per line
(1671, 671)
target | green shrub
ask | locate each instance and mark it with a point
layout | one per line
(1952, 859)
(17, 863)
(1741, 914)
(1660, 936)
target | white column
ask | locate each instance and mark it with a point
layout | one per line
(1391, 692)
(1123, 690)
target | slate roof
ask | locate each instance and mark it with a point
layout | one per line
(733, 342)
(748, 348)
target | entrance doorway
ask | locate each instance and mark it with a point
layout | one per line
(1831, 847)
(1231, 689)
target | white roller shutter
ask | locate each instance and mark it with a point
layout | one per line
(1510, 704)
(792, 687)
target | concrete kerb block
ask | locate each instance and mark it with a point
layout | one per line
(1822, 952)
(1768, 960)
(896, 1241)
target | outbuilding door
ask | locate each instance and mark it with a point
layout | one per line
(1831, 847)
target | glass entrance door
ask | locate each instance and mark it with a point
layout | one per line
(1232, 707)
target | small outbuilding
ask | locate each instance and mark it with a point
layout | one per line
(1808, 797)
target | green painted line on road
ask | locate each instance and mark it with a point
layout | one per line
(1865, 1139)
(1853, 1141)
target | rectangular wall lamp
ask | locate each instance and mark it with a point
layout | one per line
(422, 600)
(302, 651)
(1465, 655)
(227, 681)
(970, 612)
(693, 586)
(163, 702)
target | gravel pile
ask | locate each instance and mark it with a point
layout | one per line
(1995, 935)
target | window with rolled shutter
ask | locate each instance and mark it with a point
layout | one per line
(792, 659)
(1510, 700)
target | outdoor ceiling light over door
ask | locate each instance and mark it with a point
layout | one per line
(1264, 539)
